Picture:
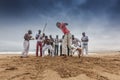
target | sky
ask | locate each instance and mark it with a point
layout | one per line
(100, 19)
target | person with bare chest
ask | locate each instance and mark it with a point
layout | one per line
(47, 46)
(26, 44)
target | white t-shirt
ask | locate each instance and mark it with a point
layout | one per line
(76, 42)
(84, 40)
(56, 41)
(40, 39)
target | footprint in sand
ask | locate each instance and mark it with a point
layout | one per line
(53, 75)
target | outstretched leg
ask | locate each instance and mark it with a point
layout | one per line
(80, 51)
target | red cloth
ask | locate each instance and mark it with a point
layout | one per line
(64, 28)
(39, 45)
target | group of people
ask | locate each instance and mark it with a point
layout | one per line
(68, 44)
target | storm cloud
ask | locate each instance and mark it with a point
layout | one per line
(53, 7)
(98, 18)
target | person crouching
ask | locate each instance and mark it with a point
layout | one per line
(46, 46)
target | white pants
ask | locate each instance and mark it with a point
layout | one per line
(84, 49)
(26, 48)
(47, 47)
(73, 48)
(67, 41)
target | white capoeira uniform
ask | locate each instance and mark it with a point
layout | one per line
(26, 45)
(75, 44)
(64, 47)
(46, 47)
(26, 48)
(84, 45)
(67, 41)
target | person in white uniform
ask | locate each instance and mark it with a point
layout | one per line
(47, 45)
(84, 41)
(76, 45)
(51, 43)
(76, 41)
(61, 46)
(26, 44)
(56, 45)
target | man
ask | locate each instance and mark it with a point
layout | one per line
(76, 41)
(84, 40)
(39, 43)
(76, 45)
(67, 37)
(61, 43)
(56, 45)
(46, 46)
(26, 43)
(51, 42)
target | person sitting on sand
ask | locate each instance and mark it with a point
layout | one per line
(47, 45)
(67, 37)
(84, 40)
(26, 44)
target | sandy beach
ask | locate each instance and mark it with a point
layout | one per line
(99, 66)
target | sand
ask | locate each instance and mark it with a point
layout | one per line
(105, 66)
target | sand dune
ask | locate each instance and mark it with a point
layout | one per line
(104, 66)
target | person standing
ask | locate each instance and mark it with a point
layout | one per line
(56, 45)
(84, 40)
(51, 40)
(39, 43)
(61, 43)
(26, 44)
(51, 43)
(67, 37)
